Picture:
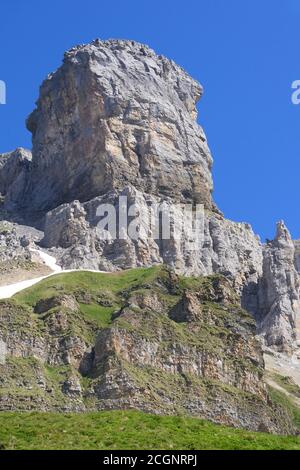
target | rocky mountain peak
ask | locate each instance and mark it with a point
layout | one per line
(116, 114)
(279, 298)
(116, 119)
(283, 236)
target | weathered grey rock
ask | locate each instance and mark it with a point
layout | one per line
(225, 247)
(65, 301)
(116, 114)
(297, 255)
(279, 293)
(65, 226)
(15, 170)
(263, 275)
(12, 249)
(117, 120)
(72, 386)
(3, 352)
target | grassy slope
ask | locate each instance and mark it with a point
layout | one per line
(88, 282)
(287, 383)
(288, 403)
(96, 285)
(130, 430)
(122, 430)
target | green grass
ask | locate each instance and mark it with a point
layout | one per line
(287, 403)
(91, 290)
(130, 430)
(89, 282)
(97, 286)
(99, 296)
(287, 384)
(100, 315)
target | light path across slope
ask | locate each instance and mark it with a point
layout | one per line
(283, 365)
(49, 261)
(8, 291)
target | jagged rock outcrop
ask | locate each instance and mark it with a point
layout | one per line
(224, 247)
(297, 255)
(19, 259)
(13, 249)
(279, 293)
(117, 120)
(15, 170)
(116, 114)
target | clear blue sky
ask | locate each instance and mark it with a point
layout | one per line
(245, 53)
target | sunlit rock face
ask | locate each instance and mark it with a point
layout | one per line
(279, 293)
(115, 114)
(118, 120)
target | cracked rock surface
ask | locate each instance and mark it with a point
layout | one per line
(115, 120)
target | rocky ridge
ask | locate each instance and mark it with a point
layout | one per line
(116, 114)
(117, 120)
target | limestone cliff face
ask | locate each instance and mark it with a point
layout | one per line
(118, 120)
(15, 170)
(116, 114)
(226, 247)
(279, 293)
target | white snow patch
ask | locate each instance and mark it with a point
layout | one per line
(49, 261)
(8, 291)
